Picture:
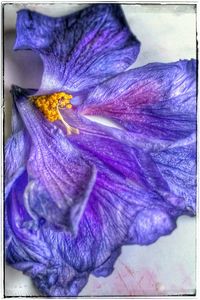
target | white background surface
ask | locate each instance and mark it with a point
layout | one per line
(167, 33)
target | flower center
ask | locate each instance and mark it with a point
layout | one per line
(50, 105)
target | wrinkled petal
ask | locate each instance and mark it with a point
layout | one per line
(16, 156)
(115, 148)
(149, 224)
(16, 122)
(80, 50)
(18, 220)
(60, 180)
(177, 164)
(127, 205)
(154, 169)
(60, 263)
(28, 251)
(108, 266)
(157, 101)
(16, 150)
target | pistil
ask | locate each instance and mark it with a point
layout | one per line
(70, 129)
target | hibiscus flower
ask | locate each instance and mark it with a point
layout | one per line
(76, 190)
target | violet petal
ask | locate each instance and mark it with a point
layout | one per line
(59, 262)
(157, 101)
(57, 172)
(177, 164)
(16, 155)
(123, 208)
(80, 50)
(169, 170)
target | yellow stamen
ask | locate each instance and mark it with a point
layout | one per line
(49, 105)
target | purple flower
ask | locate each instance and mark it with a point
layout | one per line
(76, 191)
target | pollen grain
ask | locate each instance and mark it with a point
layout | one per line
(50, 104)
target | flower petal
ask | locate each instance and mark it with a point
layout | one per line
(177, 164)
(60, 180)
(16, 121)
(16, 148)
(21, 228)
(153, 169)
(16, 156)
(79, 50)
(28, 251)
(157, 101)
(61, 263)
(124, 207)
(108, 266)
(115, 148)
